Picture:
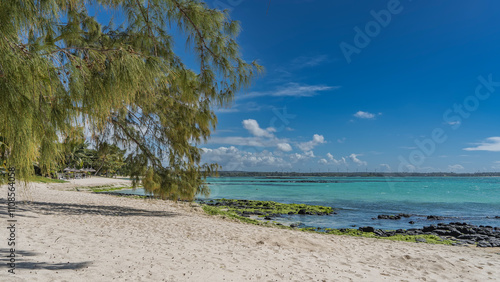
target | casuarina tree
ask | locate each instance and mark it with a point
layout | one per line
(66, 63)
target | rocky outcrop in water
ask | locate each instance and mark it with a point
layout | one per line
(267, 209)
(462, 233)
(393, 217)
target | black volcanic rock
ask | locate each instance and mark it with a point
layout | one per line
(435, 217)
(367, 229)
(391, 217)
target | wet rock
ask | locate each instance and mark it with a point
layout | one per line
(391, 217)
(466, 230)
(495, 242)
(429, 228)
(390, 233)
(474, 237)
(484, 244)
(435, 217)
(380, 233)
(442, 232)
(454, 232)
(302, 211)
(367, 229)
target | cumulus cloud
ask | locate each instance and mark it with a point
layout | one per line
(385, 167)
(351, 159)
(301, 157)
(365, 115)
(307, 146)
(285, 147)
(407, 168)
(354, 159)
(332, 159)
(491, 144)
(261, 138)
(455, 167)
(253, 127)
(231, 158)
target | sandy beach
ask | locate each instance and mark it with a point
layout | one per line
(66, 235)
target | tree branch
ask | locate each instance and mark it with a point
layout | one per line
(195, 28)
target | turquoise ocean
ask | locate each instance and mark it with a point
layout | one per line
(359, 200)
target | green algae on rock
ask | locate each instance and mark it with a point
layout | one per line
(266, 208)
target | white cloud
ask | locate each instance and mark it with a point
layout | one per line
(291, 90)
(491, 144)
(323, 161)
(304, 61)
(385, 167)
(455, 167)
(453, 122)
(245, 107)
(231, 158)
(310, 154)
(261, 138)
(351, 159)
(307, 146)
(335, 161)
(408, 168)
(285, 147)
(341, 140)
(232, 109)
(301, 157)
(365, 115)
(253, 127)
(354, 159)
(242, 141)
(297, 90)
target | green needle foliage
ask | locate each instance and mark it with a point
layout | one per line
(61, 68)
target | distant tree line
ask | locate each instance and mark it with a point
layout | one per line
(352, 174)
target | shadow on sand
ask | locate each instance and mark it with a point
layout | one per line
(21, 264)
(77, 209)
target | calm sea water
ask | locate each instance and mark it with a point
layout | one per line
(357, 200)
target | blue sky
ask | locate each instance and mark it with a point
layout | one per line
(365, 86)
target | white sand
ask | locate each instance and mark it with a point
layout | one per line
(79, 236)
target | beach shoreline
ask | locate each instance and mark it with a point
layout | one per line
(65, 235)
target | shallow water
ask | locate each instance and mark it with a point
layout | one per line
(359, 199)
